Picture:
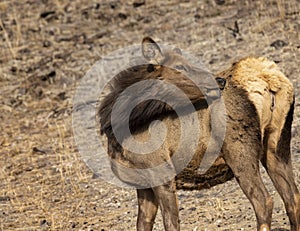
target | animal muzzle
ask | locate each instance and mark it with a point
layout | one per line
(213, 93)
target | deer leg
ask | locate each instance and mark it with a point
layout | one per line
(147, 209)
(167, 200)
(279, 168)
(245, 168)
(278, 163)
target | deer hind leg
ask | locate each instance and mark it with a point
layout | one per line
(277, 161)
(282, 177)
(167, 200)
(244, 164)
(147, 209)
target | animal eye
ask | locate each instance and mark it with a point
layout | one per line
(180, 67)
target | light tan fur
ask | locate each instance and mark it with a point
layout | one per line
(272, 94)
(268, 88)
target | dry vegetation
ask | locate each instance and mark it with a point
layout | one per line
(47, 46)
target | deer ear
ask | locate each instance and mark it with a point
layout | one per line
(151, 51)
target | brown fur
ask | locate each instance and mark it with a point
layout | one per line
(149, 110)
(259, 106)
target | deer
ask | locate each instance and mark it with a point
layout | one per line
(245, 115)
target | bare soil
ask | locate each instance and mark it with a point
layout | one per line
(46, 47)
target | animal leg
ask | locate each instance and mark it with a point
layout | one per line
(246, 171)
(167, 199)
(282, 177)
(279, 168)
(277, 158)
(147, 209)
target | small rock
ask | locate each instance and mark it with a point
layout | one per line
(73, 225)
(62, 96)
(197, 16)
(47, 13)
(47, 43)
(4, 198)
(278, 44)
(38, 150)
(48, 76)
(122, 16)
(139, 3)
(44, 222)
(220, 2)
(193, 209)
(13, 69)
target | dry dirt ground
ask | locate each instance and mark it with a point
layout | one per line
(47, 46)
